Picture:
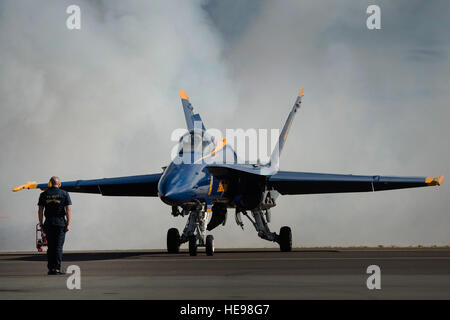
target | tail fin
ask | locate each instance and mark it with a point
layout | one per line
(193, 121)
(275, 157)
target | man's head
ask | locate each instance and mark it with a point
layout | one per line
(54, 182)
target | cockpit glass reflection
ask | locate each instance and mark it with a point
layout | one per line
(195, 143)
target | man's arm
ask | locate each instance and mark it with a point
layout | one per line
(68, 214)
(41, 215)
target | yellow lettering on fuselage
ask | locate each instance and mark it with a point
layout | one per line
(222, 187)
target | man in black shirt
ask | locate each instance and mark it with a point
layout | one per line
(55, 205)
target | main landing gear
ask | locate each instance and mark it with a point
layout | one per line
(173, 240)
(285, 239)
(260, 222)
(194, 233)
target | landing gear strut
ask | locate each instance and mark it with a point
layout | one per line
(259, 221)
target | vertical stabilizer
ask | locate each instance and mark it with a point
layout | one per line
(275, 157)
(193, 121)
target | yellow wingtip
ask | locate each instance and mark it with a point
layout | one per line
(183, 95)
(301, 93)
(434, 181)
(28, 185)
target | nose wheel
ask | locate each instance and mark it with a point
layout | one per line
(209, 245)
(193, 233)
(192, 245)
(173, 240)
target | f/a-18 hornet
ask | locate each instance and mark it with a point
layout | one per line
(196, 184)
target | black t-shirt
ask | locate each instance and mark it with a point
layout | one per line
(54, 201)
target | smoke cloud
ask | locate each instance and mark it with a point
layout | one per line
(103, 101)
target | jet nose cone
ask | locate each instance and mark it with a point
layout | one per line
(177, 185)
(173, 193)
(164, 192)
(175, 196)
(165, 185)
(163, 189)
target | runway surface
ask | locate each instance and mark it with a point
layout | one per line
(232, 274)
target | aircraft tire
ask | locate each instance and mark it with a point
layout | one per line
(209, 245)
(192, 245)
(173, 240)
(285, 239)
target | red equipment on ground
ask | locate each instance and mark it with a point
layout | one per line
(41, 239)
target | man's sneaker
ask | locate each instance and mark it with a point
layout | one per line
(51, 272)
(59, 272)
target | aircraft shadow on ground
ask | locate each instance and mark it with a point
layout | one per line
(87, 256)
(97, 256)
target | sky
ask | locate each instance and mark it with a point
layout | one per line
(103, 101)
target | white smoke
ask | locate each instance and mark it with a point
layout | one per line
(100, 102)
(103, 101)
(376, 102)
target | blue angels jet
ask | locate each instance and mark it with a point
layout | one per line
(204, 190)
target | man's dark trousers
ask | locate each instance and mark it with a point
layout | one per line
(55, 241)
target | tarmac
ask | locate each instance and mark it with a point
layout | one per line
(235, 274)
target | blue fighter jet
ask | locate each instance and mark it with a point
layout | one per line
(205, 180)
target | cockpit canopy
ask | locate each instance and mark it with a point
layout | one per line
(196, 142)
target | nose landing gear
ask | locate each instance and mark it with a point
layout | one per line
(194, 233)
(209, 245)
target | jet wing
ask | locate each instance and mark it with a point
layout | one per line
(139, 186)
(228, 170)
(286, 182)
